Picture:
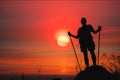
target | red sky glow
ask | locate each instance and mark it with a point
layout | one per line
(29, 31)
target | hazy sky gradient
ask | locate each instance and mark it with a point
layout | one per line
(28, 32)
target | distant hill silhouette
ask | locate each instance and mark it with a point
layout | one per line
(95, 73)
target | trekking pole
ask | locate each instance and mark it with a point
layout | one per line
(98, 46)
(75, 53)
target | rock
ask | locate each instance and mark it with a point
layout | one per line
(94, 73)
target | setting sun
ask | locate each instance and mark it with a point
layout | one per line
(62, 41)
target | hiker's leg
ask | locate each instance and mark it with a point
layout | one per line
(86, 58)
(93, 57)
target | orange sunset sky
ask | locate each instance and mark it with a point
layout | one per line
(29, 30)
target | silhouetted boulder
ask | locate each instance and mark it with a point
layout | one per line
(94, 73)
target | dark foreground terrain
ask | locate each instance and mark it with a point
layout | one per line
(35, 77)
(96, 73)
(90, 73)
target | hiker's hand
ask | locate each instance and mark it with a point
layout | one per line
(99, 28)
(69, 33)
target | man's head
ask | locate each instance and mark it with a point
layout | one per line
(83, 21)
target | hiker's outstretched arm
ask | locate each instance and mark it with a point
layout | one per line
(75, 36)
(95, 31)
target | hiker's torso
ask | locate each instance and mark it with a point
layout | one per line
(84, 33)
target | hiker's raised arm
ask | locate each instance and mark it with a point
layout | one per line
(95, 31)
(72, 35)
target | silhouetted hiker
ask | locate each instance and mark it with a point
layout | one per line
(86, 40)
